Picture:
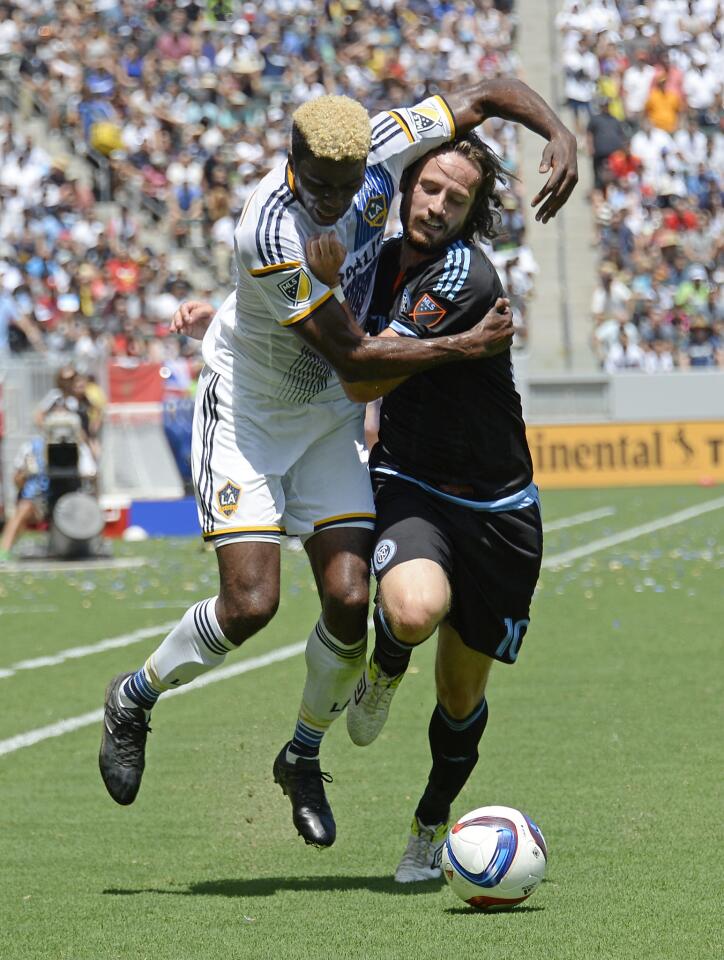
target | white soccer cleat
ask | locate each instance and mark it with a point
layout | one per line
(421, 860)
(367, 710)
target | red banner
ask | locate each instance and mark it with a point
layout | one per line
(141, 383)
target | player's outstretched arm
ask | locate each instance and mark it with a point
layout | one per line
(333, 334)
(514, 100)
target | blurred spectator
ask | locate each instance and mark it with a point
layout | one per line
(31, 481)
(664, 103)
(186, 107)
(657, 199)
(581, 71)
(610, 296)
(606, 135)
(703, 347)
(624, 355)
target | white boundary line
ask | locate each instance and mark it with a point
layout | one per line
(112, 643)
(75, 653)
(595, 546)
(72, 566)
(573, 521)
(95, 716)
(284, 653)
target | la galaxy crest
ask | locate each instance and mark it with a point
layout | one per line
(228, 498)
(375, 211)
(298, 287)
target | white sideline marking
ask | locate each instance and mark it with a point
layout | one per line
(27, 611)
(579, 518)
(72, 566)
(284, 653)
(74, 653)
(632, 533)
(113, 643)
(95, 716)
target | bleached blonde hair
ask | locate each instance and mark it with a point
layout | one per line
(331, 128)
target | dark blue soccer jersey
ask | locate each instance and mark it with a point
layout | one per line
(460, 423)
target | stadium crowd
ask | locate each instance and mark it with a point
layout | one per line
(187, 106)
(644, 83)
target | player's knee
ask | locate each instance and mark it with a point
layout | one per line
(413, 618)
(413, 613)
(458, 702)
(243, 615)
(345, 610)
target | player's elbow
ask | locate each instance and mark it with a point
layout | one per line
(359, 392)
(350, 367)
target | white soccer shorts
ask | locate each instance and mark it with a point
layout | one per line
(272, 468)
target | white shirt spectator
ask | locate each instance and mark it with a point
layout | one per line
(701, 87)
(652, 148)
(179, 172)
(622, 358)
(662, 362)
(608, 333)
(669, 14)
(636, 86)
(86, 232)
(223, 231)
(581, 75)
(613, 300)
(692, 145)
(9, 33)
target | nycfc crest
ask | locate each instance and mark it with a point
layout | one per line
(228, 498)
(384, 552)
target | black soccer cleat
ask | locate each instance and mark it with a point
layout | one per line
(123, 747)
(303, 782)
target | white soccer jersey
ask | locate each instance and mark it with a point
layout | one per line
(249, 339)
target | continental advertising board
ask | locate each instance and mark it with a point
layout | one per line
(627, 454)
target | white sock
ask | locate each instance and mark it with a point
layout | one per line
(195, 646)
(333, 669)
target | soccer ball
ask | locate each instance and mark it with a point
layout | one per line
(494, 857)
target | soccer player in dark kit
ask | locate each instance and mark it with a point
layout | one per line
(458, 530)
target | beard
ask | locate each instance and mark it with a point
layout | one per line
(423, 244)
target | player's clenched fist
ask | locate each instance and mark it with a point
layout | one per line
(494, 333)
(325, 256)
(192, 319)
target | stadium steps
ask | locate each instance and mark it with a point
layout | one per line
(559, 313)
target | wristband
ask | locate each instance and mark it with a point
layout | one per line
(339, 293)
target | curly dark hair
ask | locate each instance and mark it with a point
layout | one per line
(484, 219)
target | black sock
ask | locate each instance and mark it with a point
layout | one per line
(391, 654)
(454, 748)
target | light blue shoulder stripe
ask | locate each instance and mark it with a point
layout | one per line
(457, 267)
(516, 501)
(401, 329)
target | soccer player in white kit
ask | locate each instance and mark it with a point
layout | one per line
(277, 445)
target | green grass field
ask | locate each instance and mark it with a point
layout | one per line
(608, 731)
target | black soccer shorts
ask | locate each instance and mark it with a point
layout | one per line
(492, 560)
